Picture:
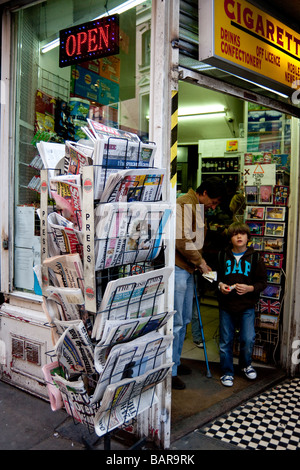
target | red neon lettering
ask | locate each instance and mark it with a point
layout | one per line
(103, 35)
(92, 33)
(72, 52)
(228, 3)
(82, 37)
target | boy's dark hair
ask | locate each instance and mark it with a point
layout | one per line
(214, 186)
(238, 227)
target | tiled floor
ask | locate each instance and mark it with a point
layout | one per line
(270, 421)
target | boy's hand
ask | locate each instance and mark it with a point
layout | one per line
(224, 288)
(242, 289)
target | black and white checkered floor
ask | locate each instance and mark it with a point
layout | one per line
(270, 421)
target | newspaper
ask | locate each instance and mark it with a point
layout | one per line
(114, 150)
(66, 270)
(63, 303)
(51, 154)
(63, 238)
(124, 400)
(76, 400)
(116, 331)
(129, 359)
(128, 233)
(75, 351)
(66, 191)
(134, 185)
(130, 298)
(77, 156)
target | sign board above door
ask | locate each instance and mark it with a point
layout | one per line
(239, 38)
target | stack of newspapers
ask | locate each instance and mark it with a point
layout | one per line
(109, 362)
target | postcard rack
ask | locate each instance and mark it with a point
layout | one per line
(267, 218)
(104, 297)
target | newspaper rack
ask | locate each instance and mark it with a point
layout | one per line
(114, 310)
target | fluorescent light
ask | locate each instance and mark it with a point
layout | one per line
(120, 9)
(202, 115)
(124, 7)
(51, 45)
(196, 110)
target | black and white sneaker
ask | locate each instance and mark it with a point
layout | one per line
(250, 373)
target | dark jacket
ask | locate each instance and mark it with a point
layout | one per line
(251, 270)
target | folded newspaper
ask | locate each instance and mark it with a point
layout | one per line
(129, 359)
(132, 297)
(63, 238)
(117, 331)
(128, 233)
(114, 150)
(134, 185)
(66, 270)
(75, 351)
(66, 191)
(76, 400)
(124, 400)
(52, 154)
(211, 276)
(63, 303)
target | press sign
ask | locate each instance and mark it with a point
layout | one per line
(89, 41)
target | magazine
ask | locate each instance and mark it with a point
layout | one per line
(134, 185)
(130, 298)
(66, 270)
(129, 359)
(128, 233)
(66, 191)
(63, 238)
(124, 400)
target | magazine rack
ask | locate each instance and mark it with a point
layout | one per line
(110, 373)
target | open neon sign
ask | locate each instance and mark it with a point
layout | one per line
(89, 41)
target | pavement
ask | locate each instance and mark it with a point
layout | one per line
(28, 423)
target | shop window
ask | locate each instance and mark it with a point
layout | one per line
(53, 103)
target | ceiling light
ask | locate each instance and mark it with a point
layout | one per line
(120, 9)
(202, 115)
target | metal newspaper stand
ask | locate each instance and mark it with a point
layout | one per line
(131, 359)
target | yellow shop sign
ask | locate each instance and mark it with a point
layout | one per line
(241, 39)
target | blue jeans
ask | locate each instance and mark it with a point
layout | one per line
(183, 305)
(228, 323)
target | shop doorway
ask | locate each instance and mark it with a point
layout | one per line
(217, 135)
(207, 121)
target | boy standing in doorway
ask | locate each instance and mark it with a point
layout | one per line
(242, 276)
(190, 233)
